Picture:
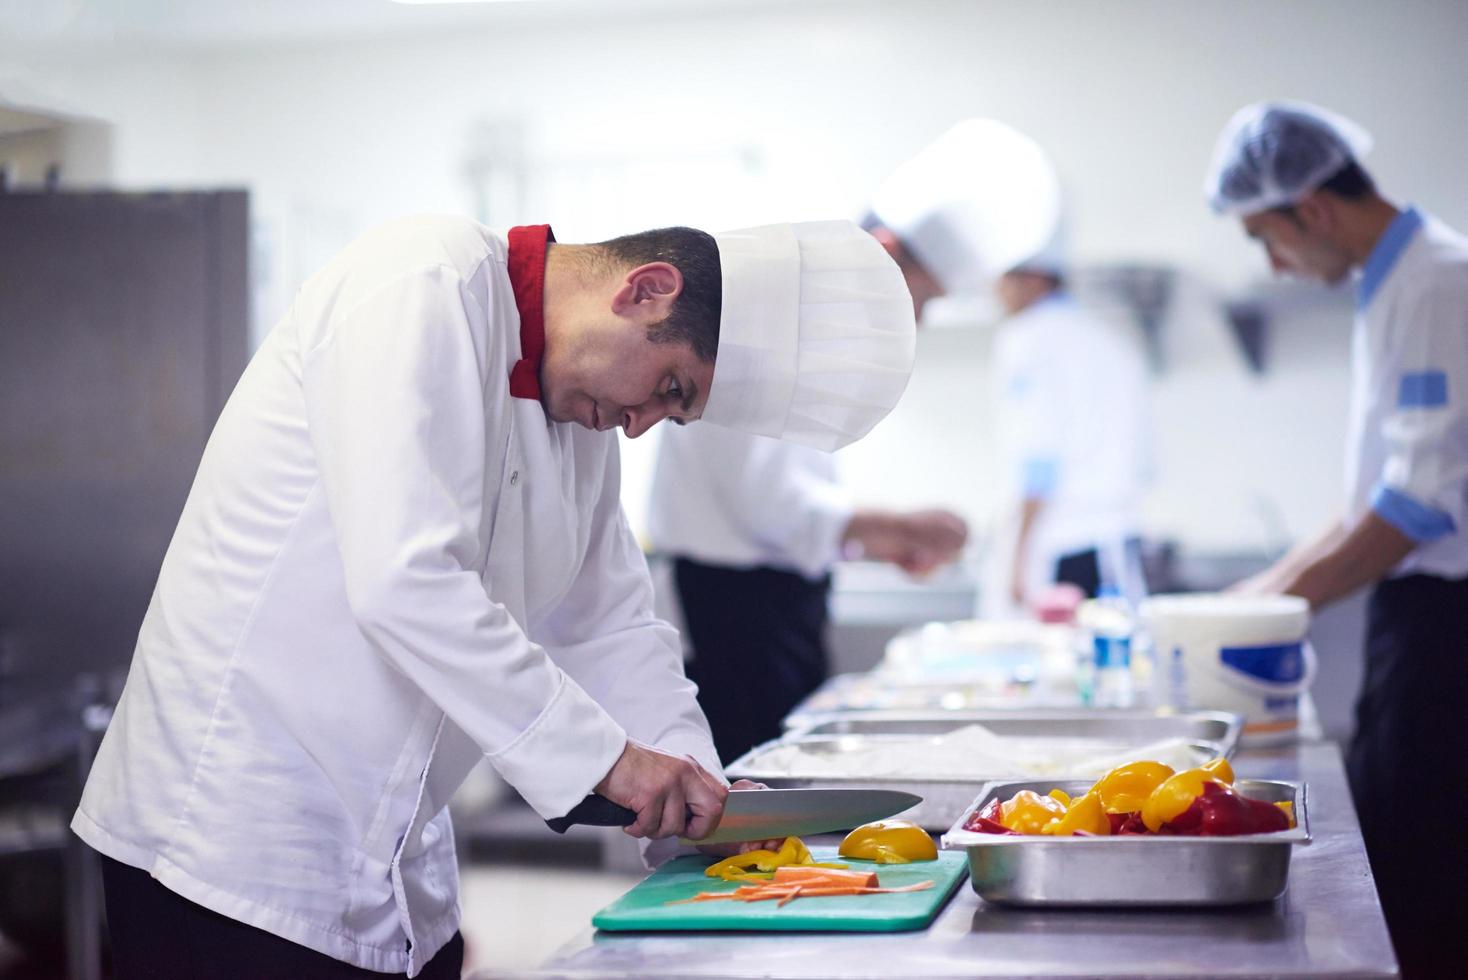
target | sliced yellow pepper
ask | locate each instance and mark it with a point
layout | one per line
(1086, 814)
(889, 842)
(1027, 812)
(1125, 788)
(1289, 810)
(1169, 800)
(763, 862)
(1220, 770)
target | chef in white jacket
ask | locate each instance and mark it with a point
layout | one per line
(753, 527)
(1291, 173)
(978, 212)
(403, 552)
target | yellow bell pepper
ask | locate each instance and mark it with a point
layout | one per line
(1169, 800)
(1220, 770)
(1086, 813)
(1027, 812)
(1125, 788)
(763, 862)
(889, 842)
(1289, 810)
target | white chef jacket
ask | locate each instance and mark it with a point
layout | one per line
(387, 568)
(723, 497)
(1407, 451)
(1074, 428)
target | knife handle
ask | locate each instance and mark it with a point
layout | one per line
(594, 811)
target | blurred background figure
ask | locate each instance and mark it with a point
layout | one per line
(1291, 173)
(754, 527)
(979, 211)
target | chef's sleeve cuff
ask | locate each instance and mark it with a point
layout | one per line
(1413, 518)
(559, 759)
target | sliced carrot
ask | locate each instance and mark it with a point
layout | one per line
(801, 874)
(788, 892)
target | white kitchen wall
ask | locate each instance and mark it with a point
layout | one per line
(728, 115)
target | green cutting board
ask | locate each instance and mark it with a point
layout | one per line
(646, 907)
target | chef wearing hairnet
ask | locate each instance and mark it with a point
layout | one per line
(403, 552)
(979, 211)
(1291, 173)
(754, 524)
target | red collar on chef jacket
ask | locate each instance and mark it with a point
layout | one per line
(526, 263)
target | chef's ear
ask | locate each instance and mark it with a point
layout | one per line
(648, 291)
(1316, 212)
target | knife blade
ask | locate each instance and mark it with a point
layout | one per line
(762, 814)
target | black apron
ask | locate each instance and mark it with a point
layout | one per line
(758, 640)
(1408, 767)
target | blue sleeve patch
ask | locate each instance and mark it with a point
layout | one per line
(1412, 517)
(1040, 477)
(1423, 389)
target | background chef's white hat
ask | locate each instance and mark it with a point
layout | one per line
(1274, 153)
(816, 336)
(978, 201)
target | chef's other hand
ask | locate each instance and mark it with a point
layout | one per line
(917, 542)
(673, 796)
(731, 848)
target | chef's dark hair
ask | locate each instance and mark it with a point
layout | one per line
(1350, 182)
(695, 316)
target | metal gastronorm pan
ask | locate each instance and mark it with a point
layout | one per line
(1132, 871)
(944, 798)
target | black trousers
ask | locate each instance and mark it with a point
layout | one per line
(758, 647)
(1408, 774)
(1083, 568)
(158, 934)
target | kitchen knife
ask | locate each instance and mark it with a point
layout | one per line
(764, 814)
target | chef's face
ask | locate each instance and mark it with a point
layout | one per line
(612, 368)
(621, 378)
(920, 282)
(1299, 243)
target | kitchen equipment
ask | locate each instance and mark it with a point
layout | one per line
(835, 740)
(645, 906)
(1130, 871)
(897, 692)
(764, 814)
(1235, 653)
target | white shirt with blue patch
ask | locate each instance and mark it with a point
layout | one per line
(1407, 450)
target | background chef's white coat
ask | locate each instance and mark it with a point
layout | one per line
(722, 497)
(387, 569)
(1407, 450)
(1074, 425)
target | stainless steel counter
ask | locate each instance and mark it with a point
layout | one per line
(1328, 923)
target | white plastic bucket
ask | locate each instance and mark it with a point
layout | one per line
(1245, 654)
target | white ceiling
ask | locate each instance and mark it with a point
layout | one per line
(187, 24)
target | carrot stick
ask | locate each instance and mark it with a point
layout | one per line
(794, 873)
(787, 893)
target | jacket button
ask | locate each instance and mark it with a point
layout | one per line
(514, 478)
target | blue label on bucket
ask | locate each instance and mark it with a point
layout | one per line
(1279, 664)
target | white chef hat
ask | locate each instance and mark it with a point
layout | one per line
(1274, 153)
(816, 336)
(978, 201)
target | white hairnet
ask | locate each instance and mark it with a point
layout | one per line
(1274, 153)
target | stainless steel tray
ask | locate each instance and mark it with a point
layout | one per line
(1212, 733)
(1132, 871)
(866, 692)
(1218, 728)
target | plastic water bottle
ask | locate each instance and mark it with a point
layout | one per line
(1112, 628)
